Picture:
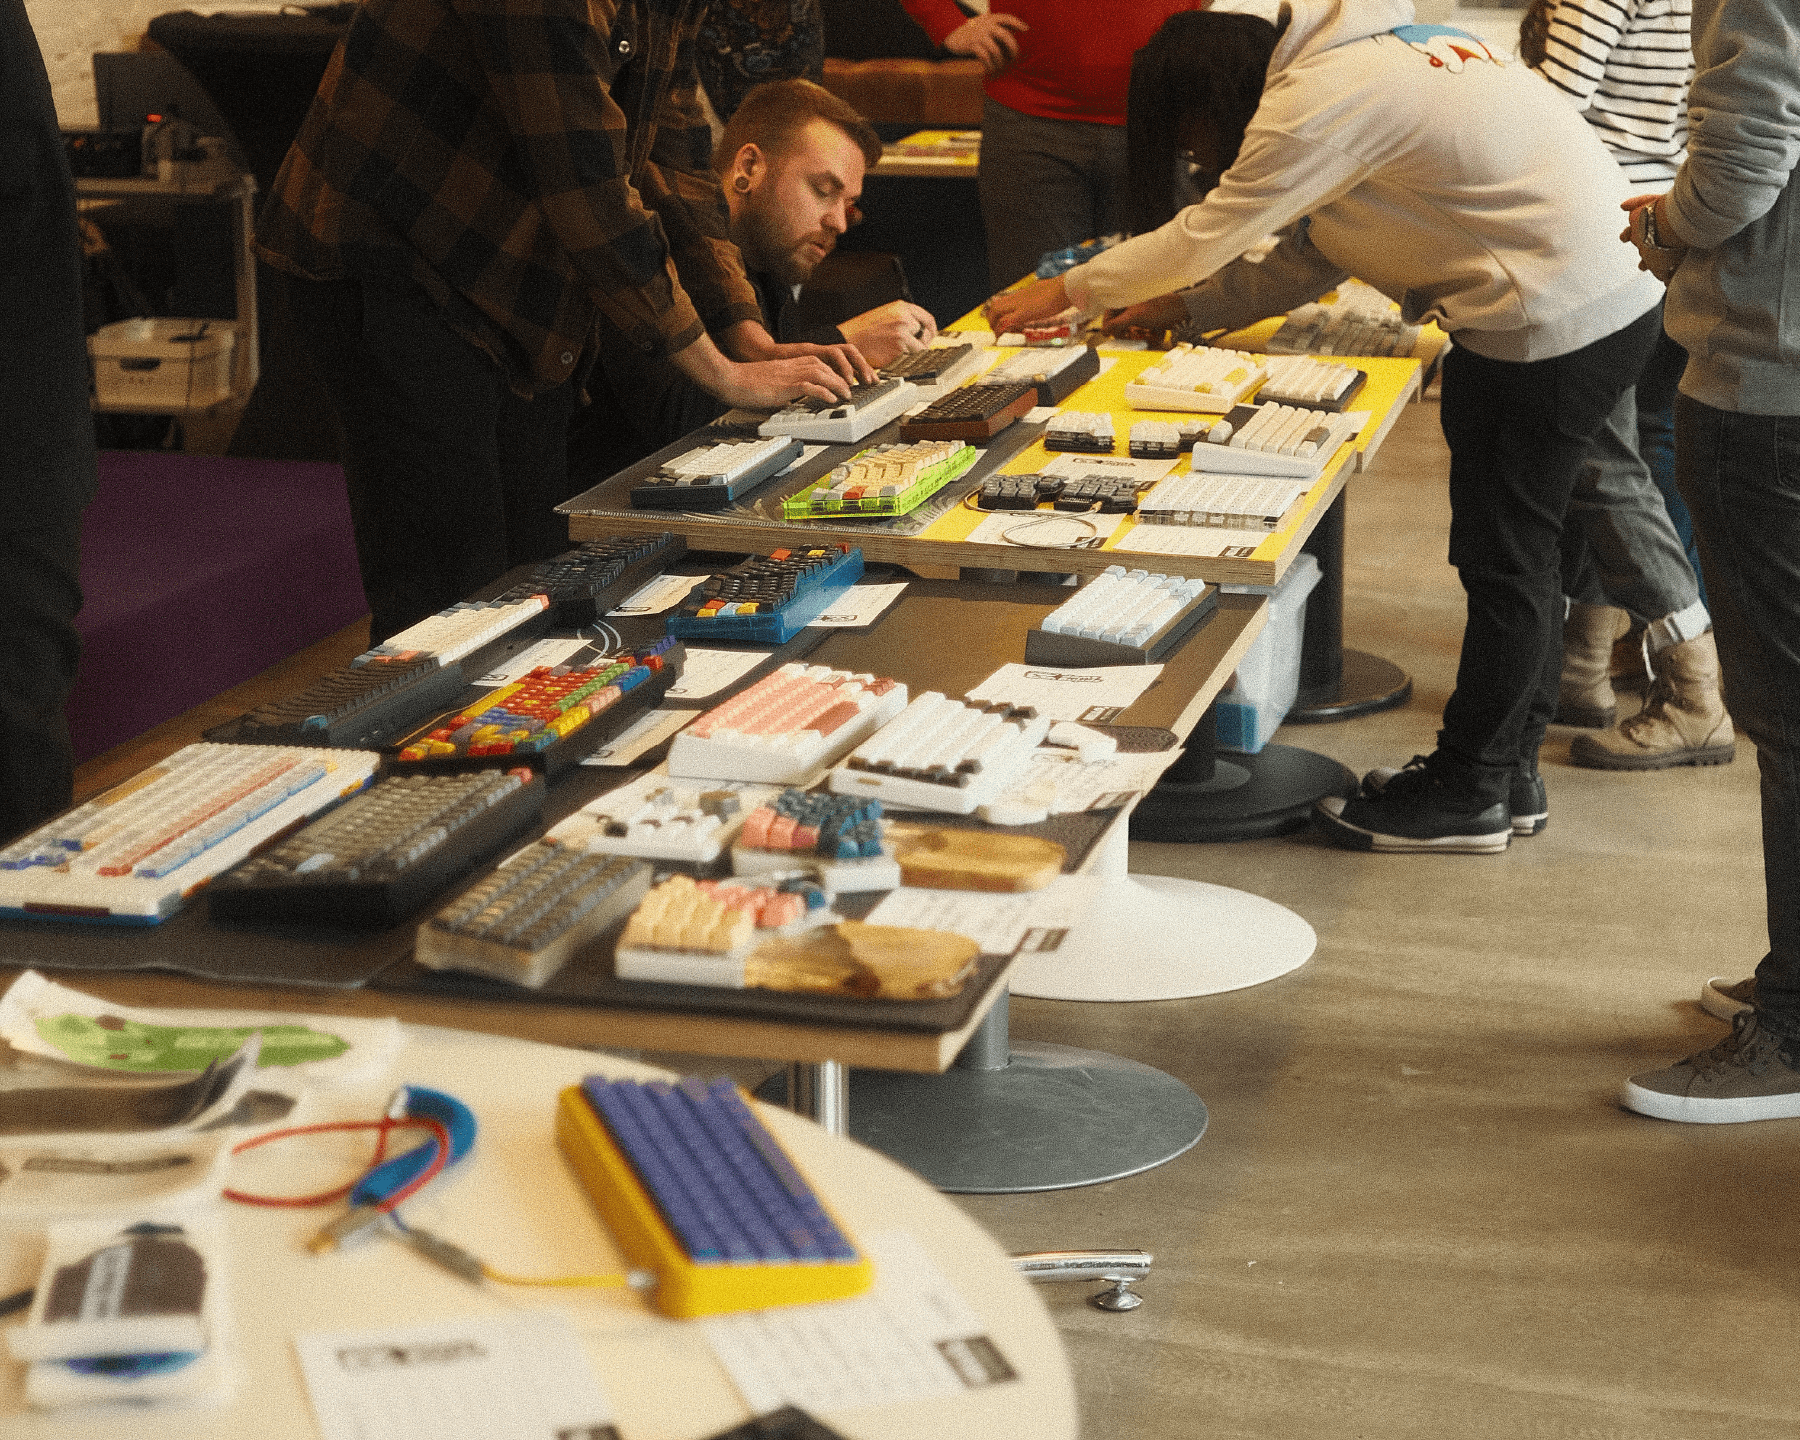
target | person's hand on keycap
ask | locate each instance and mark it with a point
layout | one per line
(748, 341)
(1012, 310)
(889, 331)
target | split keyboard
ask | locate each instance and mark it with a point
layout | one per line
(882, 482)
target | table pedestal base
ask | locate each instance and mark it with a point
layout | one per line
(1245, 797)
(1367, 685)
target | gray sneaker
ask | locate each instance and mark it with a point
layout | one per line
(1749, 1075)
(1728, 999)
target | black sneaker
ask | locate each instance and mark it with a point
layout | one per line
(1414, 811)
(1527, 800)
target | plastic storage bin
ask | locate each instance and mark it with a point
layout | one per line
(163, 364)
(1262, 692)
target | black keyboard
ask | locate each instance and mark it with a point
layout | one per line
(1009, 492)
(924, 367)
(1104, 493)
(384, 852)
(582, 585)
(357, 707)
(974, 412)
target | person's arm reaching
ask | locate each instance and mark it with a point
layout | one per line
(991, 38)
(1241, 293)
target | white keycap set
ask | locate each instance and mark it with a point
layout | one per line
(787, 726)
(1302, 380)
(866, 411)
(1080, 430)
(942, 754)
(725, 462)
(460, 630)
(1341, 330)
(1031, 366)
(1164, 439)
(1197, 378)
(1126, 607)
(1276, 440)
(1236, 502)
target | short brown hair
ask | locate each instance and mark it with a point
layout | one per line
(772, 115)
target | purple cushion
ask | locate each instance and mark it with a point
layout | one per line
(199, 572)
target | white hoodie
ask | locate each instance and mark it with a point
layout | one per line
(1451, 179)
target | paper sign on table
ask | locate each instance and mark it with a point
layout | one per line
(1095, 697)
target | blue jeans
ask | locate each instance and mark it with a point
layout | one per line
(1656, 438)
(1740, 475)
(1519, 434)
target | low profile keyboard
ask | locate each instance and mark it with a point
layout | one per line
(1273, 440)
(882, 482)
(974, 412)
(1337, 330)
(767, 599)
(786, 726)
(1311, 384)
(527, 920)
(1121, 617)
(1197, 378)
(943, 754)
(658, 818)
(582, 585)
(1082, 431)
(381, 854)
(695, 1189)
(843, 422)
(1237, 502)
(135, 853)
(1104, 494)
(1011, 492)
(1056, 374)
(466, 627)
(714, 476)
(357, 706)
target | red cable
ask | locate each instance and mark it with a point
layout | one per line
(440, 1136)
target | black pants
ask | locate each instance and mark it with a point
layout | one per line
(40, 577)
(452, 476)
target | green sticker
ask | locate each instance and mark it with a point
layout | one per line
(127, 1045)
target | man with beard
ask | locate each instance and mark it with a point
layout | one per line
(791, 163)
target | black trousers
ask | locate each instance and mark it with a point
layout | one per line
(39, 577)
(452, 477)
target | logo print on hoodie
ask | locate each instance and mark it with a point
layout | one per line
(1447, 49)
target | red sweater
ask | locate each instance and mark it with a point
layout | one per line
(1074, 62)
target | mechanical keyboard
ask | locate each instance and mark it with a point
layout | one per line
(710, 477)
(1087, 431)
(1105, 494)
(656, 817)
(135, 853)
(1121, 617)
(1237, 502)
(550, 718)
(835, 837)
(381, 854)
(583, 585)
(785, 727)
(696, 1190)
(1014, 492)
(943, 754)
(1311, 384)
(974, 412)
(882, 482)
(1273, 440)
(524, 922)
(701, 932)
(359, 706)
(1342, 330)
(1163, 439)
(769, 599)
(844, 422)
(934, 371)
(464, 628)
(1057, 374)
(1197, 378)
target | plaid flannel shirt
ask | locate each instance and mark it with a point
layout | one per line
(531, 163)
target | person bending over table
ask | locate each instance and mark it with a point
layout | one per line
(1415, 158)
(476, 182)
(791, 163)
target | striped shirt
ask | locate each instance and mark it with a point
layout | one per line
(1626, 65)
(531, 163)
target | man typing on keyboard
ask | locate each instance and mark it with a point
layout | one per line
(479, 181)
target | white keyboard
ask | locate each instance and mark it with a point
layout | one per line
(1197, 378)
(656, 817)
(1273, 440)
(1081, 430)
(845, 421)
(786, 727)
(1340, 330)
(1302, 380)
(135, 853)
(1124, 607)
(460, 630)
(1033, 366)
(1163, 439)
(1236, 502)
(942, 754)
(730, 461)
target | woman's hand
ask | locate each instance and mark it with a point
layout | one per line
(1165, 312)
(1012, 310)
(992, 39)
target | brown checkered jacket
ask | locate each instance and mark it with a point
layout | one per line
(530, 163)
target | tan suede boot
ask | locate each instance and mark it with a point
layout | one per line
(1683, 721)
(1585, 696)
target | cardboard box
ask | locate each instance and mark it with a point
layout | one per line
(163, 363)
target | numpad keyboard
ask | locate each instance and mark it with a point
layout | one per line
(382, 853)
(1311, 384)
(943, 754)
(1057, 373)
(882, 482)
(527, 920)
(937, 369)
(844, 422)
(1341, 330)
(657, 818)
(550, 717)
(1197, 378)
(786, 726)
(466, 627)
(1163, 439)
(1273, 440)
(1080, 430)
(975, 412)
(695, 1190)
(1237, 502)
(710, 477)
(838, 838)
(357, 706)
(767, 599)
(1121, 617)
(701, 932)
(135, 853)
(582, 585)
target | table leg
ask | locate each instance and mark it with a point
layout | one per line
(821, 1092)
(1335, 683)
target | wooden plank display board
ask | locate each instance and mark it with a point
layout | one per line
(943, 533)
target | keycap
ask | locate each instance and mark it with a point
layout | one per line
(1197, 378)
(786, 726)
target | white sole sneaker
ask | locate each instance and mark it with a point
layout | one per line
(1725, 998)
(1329, 812)
(1699, 1111)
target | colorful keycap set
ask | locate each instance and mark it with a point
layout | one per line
(700, 932)
(1121, 617)
(383, 853)
(133, 854)
(1312, 384)
(844, 422)
(1197, 378)
(695, 1189)
(529, 918)
(882, 482)
(786, 726)
(1238, 502)
(943, 754)
(1273, 440)
(714, 476)
(838, 838)
(552, 716)
(768, 599)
